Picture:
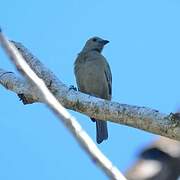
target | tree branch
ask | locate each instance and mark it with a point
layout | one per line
(139, 117)
(69, 121)
(21, 87)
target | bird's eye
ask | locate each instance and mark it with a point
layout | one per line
(94, 39)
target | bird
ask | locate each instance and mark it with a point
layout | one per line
(93, 77)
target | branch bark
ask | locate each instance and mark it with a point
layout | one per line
(143, 118)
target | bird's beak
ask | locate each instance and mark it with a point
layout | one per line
(105, 42)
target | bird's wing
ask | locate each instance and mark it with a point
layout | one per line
(108, 76)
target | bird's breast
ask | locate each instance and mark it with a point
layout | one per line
(91, 79)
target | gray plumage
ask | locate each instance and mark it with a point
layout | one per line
(93, 76)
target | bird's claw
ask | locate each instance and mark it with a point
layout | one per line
(72, 88)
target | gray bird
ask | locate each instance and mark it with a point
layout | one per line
(93, 77)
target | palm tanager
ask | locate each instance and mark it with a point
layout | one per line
(93, 77)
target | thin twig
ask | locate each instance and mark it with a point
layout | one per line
(80, 135)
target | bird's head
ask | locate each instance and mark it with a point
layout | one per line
(95, 43)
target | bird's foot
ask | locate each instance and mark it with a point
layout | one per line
(93, 120)
(72, 88)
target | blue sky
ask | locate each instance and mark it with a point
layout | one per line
(144, 55)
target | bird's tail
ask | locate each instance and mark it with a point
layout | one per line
(101, 130)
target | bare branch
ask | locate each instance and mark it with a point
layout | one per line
(139, 117)
(20, 86)
(80, 135)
